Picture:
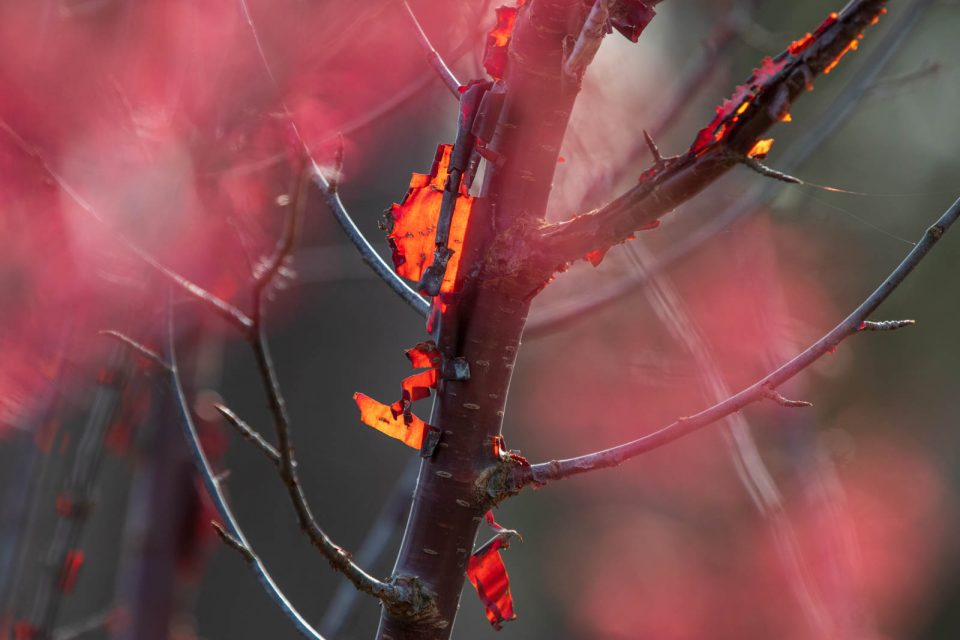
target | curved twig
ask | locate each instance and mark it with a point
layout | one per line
(751, 469)
(367, 252)
(212, 485)
(540, 474)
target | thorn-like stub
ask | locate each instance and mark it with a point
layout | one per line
(658, 159)
(769, 391)
(411, 600)
(884, 325)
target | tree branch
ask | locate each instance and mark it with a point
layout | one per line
(433, 58)
(363, 246)
(540, 474)
(754, 108)
(219, 500)
(546, 323)
(751, 469)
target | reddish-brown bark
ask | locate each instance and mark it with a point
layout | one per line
(484, 321)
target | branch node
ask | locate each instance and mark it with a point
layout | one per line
(232, 542)
(770, 392)
(411, 600)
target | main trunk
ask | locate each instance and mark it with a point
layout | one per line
(485, 322)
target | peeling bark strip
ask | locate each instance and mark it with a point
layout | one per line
(754, 108)
(482, 321)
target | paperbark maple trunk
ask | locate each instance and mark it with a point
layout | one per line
(485, 322)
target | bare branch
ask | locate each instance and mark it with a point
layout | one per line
(367, 252)
(540, 474)
(248, 433)
(283, 251)
(751, 469)
(755, 108)
(144, 351)
(595, 27)
(836, 114)
(219, 500)
(433, 58)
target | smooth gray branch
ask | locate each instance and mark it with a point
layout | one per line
(540, 474)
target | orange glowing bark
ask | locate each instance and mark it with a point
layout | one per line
(416, 387)
(413, 223)
(851, 46)
(761, 148)
(424, 354)
(488, 575)
(405, 427)
(730, 110)
(498, 39)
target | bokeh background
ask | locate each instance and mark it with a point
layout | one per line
(161, 116)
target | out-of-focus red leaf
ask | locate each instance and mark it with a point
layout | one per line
(631, 17)
(413, 223)
(488, 575)
(70, 570)
(405, 427)
(47, 434)
(23, 630)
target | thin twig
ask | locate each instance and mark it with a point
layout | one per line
(588, 42)
(363, 246)
(761, 192)
(370, 256)
(751, 469)
(219, 500)
(433, 58)
(143, 350)
(248, 433)
(542, 473)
